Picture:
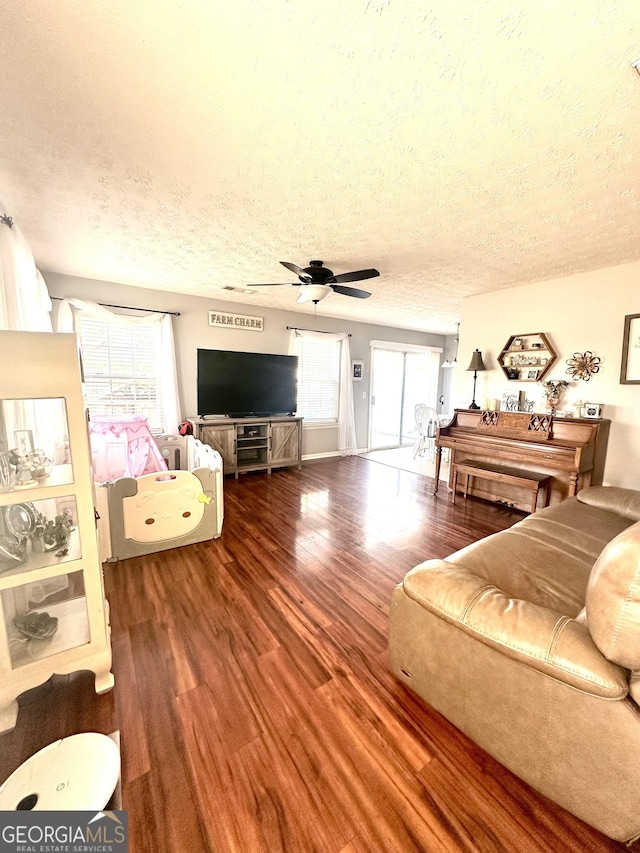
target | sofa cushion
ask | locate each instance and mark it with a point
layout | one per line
(547, 557)
(575, 527)
(613, 600)
(554, 645)
(625, 502)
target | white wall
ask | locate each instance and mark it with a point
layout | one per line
(577, 313)
(192, 331)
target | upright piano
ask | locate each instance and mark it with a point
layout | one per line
(571, 450)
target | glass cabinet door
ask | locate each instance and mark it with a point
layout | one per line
(34, 444)
(38, 534)
(44, 618)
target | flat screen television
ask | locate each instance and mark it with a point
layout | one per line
(244, 384)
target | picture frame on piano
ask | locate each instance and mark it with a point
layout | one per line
(510, 401)
(630, 367)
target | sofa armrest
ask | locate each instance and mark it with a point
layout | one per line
(543, 639)
(624, 502)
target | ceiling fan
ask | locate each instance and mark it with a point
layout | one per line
(317, 281)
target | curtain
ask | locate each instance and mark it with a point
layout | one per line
(171, 410)
(25, 305)
(347, 444)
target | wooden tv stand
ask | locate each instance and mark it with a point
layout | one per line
(253, 444)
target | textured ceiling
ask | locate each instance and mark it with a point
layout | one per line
(188, 145)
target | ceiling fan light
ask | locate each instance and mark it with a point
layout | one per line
(313, 292)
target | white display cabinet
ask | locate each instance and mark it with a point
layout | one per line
(53, 613)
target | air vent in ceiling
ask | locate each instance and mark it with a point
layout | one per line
(237, 289)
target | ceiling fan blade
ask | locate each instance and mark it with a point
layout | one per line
(294, 268)
(350, 291)
(276, 284)
(358, 275)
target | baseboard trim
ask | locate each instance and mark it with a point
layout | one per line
(309, 456)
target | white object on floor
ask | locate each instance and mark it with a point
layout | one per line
(76, 773)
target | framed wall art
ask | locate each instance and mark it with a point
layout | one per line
(358, 367)
(24, 441)
(630, 367)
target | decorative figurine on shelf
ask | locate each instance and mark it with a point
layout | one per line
(553, 389)
(40, 465)
(62, 529)
(37, 536)
(36, 626)
(24, 475)
(56, 533)
(49, 535)
(31, 468)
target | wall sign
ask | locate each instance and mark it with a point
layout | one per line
(236, 321)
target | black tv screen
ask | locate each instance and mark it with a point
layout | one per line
(241, 384)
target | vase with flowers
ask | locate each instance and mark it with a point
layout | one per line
(553, 389)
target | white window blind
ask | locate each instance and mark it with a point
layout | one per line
(318, 379)
(121, 364)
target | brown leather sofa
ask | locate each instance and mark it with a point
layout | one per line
(529, 642)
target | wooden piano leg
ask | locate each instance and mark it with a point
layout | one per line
(573, 483)
(438, 463)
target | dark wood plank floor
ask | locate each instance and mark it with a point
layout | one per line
(253, 694)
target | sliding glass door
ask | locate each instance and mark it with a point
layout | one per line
(401, 377)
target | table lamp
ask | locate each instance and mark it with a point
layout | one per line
(476, 365)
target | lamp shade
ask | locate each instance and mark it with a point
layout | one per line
(476, 361)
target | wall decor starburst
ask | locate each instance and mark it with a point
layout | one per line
(582, 365)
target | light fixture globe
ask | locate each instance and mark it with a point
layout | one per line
(452, 361)
(314, 292)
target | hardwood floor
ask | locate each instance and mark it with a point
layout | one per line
(253, 695)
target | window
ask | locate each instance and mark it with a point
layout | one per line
(121, 364)
(318, 379)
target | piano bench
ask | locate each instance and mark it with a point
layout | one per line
(502, 474)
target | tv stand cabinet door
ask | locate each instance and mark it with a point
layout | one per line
(286, 443)
(223, 439)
